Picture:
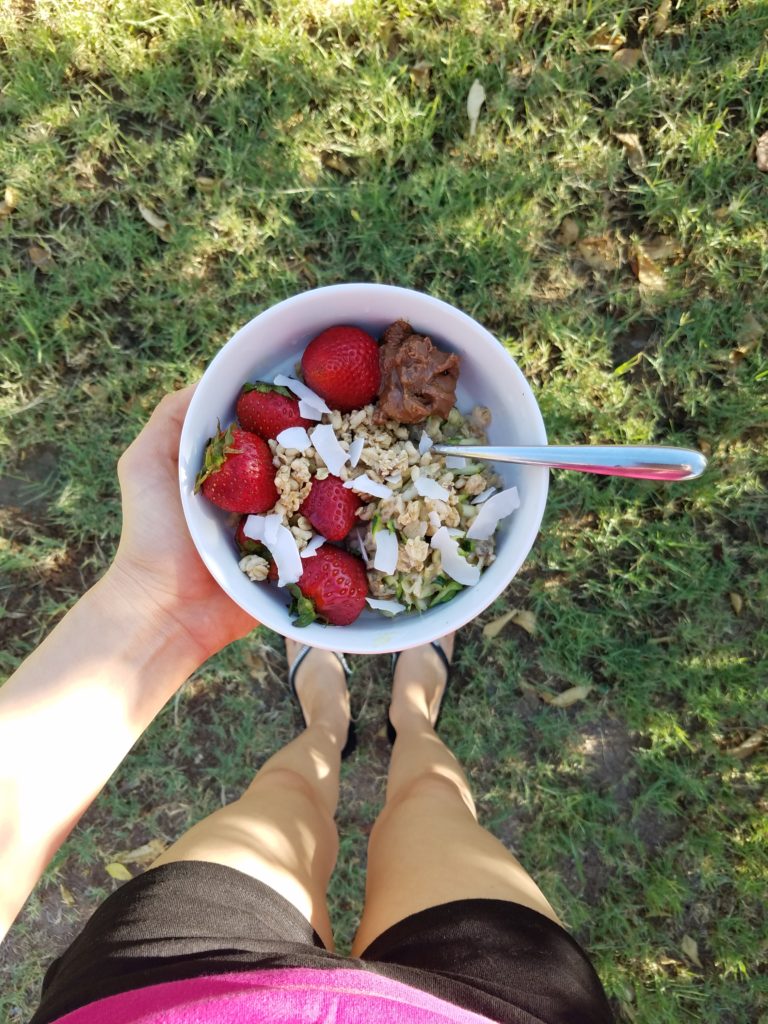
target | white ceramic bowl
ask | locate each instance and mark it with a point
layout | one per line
(273, 342)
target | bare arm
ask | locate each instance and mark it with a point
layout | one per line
(76, 706)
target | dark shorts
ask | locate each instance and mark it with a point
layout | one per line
(193, 918)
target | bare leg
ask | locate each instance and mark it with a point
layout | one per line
(281, 830)
(426, 847)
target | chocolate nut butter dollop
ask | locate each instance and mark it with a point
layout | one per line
(417, 379)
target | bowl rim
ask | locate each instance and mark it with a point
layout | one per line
(349, 638)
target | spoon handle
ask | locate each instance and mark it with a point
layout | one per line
(646, 462)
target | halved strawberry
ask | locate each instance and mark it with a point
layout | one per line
(333, 587)
(331, 507)
(237, 473)
(342, 365)
(268, 409)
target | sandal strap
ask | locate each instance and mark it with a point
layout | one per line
(303, 652)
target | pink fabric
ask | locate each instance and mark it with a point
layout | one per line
(288, 996)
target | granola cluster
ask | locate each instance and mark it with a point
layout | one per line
(391, 456)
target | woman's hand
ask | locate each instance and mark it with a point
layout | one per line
(157, 564)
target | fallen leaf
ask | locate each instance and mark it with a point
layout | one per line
(526, 620)
(661, 247)
(661, 18)
(162, 227)
(737, 601)
(751, 331)
(567, 697)
(633, 150)
(761, 153)
(527, 687)
(336, 162)
(604, 38)
(66, 895)
(420, 74)
(41, 259)
(600, 252)
(146, 854)
(204, 183)
(10, 201)
(691, 950)
(118, 871)
(627, 58)
(475, 100)
(748, 747)
(568, 232)
(650, 276)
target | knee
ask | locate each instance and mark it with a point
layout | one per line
(294, 790)
(434, 789)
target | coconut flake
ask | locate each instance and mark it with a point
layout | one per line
(310, 548)
(363, 553)
(309, 412)
(271, 524)
(434, 519)
(294, 437)
(425, 443)
(285, 552)
(301, 391)
(385, 606)
(395, 480)
(356, 450)
(455, 462)
(385, 559)
(454, 532)
(452, 560)
(327, 446)
(253, 527)
(364, 485)
(429, 488)
(484, 495)
(491, 511)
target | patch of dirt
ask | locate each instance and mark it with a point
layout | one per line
(637, 338)
(588, 877)
(21, 488)
(655, 831)
(608, 750)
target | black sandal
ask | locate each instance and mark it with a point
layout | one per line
(448, 665)
(351, 743)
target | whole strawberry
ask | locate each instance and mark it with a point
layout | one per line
(342, 366)
(333, 587)
(331, 508)
(237, 473)
(267, 409)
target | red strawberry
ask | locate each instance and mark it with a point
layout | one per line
(342, 366)
(267, 409)
(237, 473)
(333, 587)
(331, 507)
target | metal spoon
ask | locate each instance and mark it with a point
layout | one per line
(646, 462)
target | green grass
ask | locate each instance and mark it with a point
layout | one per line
(289, 145)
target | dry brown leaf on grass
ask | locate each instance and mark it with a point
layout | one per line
(737, 602)
(66, 895)
(748, 746)
(118, 871)
(647, 272)
(606, 38)
(524, 619)
(41, 259)
(690, 949)
(600, 252)
(157, 223)
(633, 150)
(567, 697)
(627, 58)
(761, 153)
(336, 162)
(660, 19)
(10, 202)
(421, 74)
(146, 854)
(661, 247)
(568, 232)
(204, 183)
(475, 100)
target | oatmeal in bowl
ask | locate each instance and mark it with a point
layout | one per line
(363, 538)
